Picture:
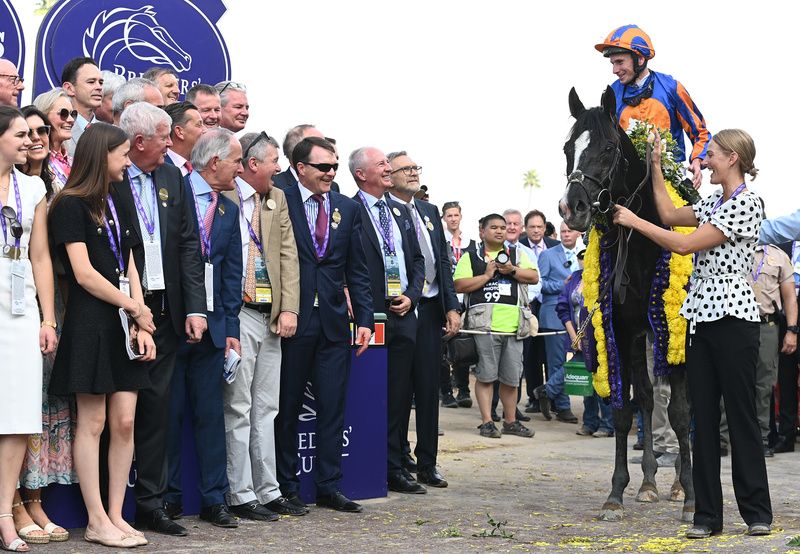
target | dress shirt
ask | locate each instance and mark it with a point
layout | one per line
(397, 236)
(149, 200)
(312, 208)
(780, 229)
(572, 257)
(533, 290)
(179, 161)
(433, 287)
(77, 130)
(202, 193)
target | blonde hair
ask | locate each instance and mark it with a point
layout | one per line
(739, 141)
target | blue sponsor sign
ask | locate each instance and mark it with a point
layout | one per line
(129, 37)
(12, 41)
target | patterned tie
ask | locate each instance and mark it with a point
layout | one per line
(208, 219)
(188, 165)
(383, 218)
(321, 226)
(430, 264)
(252, 252)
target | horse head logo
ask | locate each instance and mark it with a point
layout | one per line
(135, 32)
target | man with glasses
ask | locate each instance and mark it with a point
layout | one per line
(297, 133)
(235, 107)
(206, 99)
(327, 229)
(438, 307)
(83, 82)
(187, 128)
(271, 302)
(11, 84)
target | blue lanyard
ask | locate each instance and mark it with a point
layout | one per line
(19, 211)
(757, 273)
(205, 238)
(719, 203)
(149, 224)
(253, 235)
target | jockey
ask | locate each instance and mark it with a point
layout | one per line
(653, 97)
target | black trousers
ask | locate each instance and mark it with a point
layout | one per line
(721, 360)
(534, 364)
(460, 377)
(787, 385)
(152, 418)
(425, 382)
(401, 338)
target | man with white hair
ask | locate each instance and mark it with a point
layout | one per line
(111, 84)
(172, 279)
(198, 376)
(235, 107)
(11, 83)
(135, 90)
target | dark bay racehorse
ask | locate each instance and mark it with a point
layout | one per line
(603, 167)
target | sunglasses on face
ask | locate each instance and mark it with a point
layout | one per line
(42, 131)
(65, 114)
(324, 168)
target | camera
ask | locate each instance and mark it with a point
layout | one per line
(502, 257)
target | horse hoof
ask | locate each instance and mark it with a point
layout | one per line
(611, 514)
(647, 495)
(677, 495)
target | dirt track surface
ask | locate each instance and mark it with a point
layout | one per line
(548, 489)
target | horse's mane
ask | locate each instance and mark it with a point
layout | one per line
(595, 119)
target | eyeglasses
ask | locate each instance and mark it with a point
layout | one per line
(325, 168)
(262, 136)
(15, 79)
(233, 84)
(408, 170)
(11, 215)
(64, 114)
(42, 131)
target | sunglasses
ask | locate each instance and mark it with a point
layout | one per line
(65, 114)
(325, 168)
(233, 84)
(11, 215)
(262, 136)
(42, 131)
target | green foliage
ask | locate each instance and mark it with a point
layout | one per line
(531, 180)
(450, 531)
(495, 529)
(794, 541)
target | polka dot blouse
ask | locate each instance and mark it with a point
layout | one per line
(719, 284)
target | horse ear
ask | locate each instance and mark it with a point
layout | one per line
(576, 107)
(609, 103)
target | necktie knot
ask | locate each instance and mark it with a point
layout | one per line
(318, 198)
(188, 165)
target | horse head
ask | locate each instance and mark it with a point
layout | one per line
(135, 32)
(599, 154)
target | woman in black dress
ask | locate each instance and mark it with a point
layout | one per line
(93, 237)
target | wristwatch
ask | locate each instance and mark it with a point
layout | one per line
(793, 329)
(513, 272)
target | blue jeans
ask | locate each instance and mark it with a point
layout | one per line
(591, 420)
(556, 350)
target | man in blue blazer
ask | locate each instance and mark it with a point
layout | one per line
(397, 271)
(555, 265)
(438, 307)
(327, 229)
(216, 159)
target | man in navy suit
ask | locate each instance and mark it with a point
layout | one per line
(438, 307)
(217, 159)
(297, 133)
(555, 265)
(397, 272)
(327, 229)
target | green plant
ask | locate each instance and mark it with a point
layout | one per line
(450, 531)
(495, 529)
(794, 541)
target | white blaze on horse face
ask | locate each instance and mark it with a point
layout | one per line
(581, 144)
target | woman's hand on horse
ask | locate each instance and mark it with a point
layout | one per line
(655, 156)
(623, 216)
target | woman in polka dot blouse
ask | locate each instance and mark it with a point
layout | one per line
(722, 344)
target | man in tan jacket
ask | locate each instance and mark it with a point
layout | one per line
(270, 293)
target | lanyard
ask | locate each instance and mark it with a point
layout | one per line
(757, 273)
(116, 247)
(739, 189)
(150, 224)
(19, 211)
(389, 240)
(205, 237)
(253, 235)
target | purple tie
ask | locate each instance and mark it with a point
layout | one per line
(321, 226)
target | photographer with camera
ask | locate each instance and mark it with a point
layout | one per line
(494, 283)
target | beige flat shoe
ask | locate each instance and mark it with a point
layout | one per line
(124, 541)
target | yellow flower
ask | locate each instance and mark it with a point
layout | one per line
(591, 290)
(680, 268)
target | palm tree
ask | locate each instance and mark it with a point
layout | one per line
(531, 182)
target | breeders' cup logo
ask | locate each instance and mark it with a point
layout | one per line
(129, 37)
(12, 43)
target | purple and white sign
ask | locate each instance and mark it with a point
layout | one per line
(129, 37)
(12, 41)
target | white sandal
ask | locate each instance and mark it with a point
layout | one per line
(17, 545)
(50, 527)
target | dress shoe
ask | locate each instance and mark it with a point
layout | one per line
(408, 475)
(284, 507)
(758, 529)
(701, 532)
(219, 516)
(464, 400)
(540, 393)
(174, 510)
(432, 478)
(638, 445)
(409, 463)
(339, 502)
(784, 445)
(566, 416)
(448, 401)
(398, 483)
(160, 522)
(532, 407)
(768, 452)
(255, 511)
(295, 501)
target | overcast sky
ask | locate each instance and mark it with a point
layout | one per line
(476, 92)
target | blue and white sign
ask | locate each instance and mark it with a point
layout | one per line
(12, 41)
(129, 37)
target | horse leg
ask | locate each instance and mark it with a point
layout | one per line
(636, 359)
(679, 417)
(612, 509)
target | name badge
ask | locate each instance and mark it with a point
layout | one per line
(17, 288)
(504, 288)
(153, 268)
(263, 286)
(209, 282)
(316, 300)
(125, 285)
(392, 265)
